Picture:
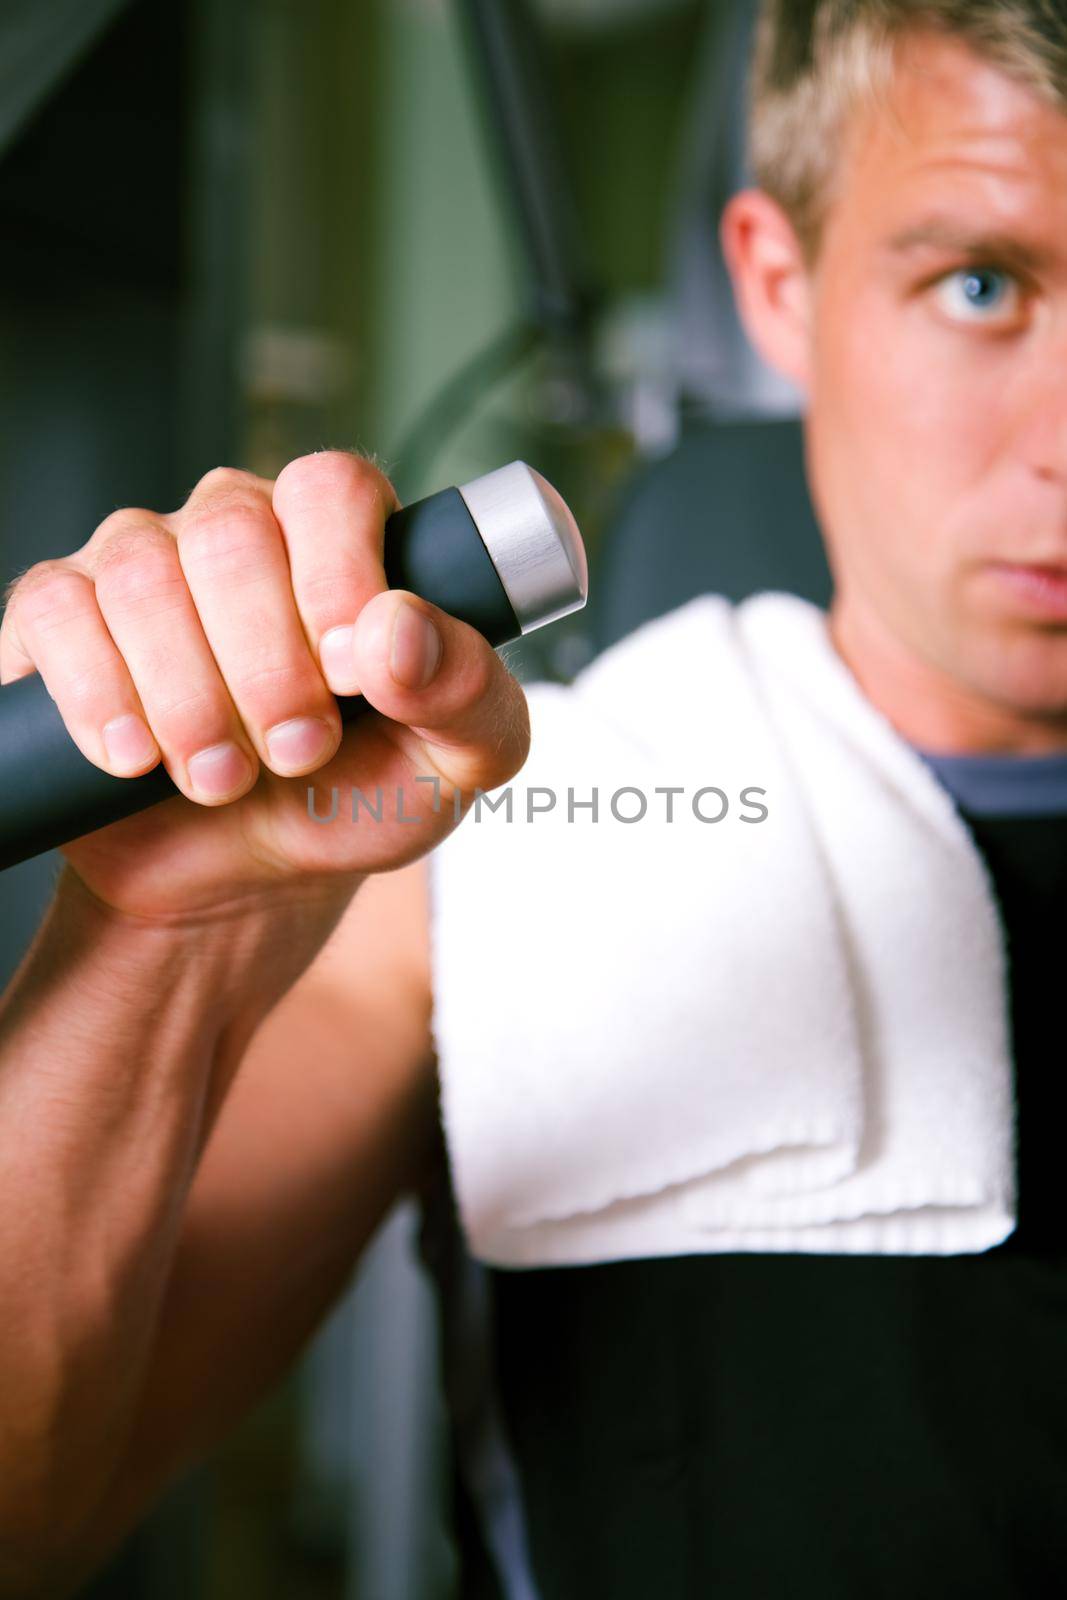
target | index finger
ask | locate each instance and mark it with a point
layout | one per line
(332, 508)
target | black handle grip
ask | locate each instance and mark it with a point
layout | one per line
(50, 793)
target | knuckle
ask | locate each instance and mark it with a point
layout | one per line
(87, 687)
(480, 675)
(330, 475)
(517, 711)
(228, 531)
(519, 729)
(222, 482)
(511, 741)
(134, 568)
(47, 596)
(271, 683)
(148, 585)
(122, 529)
(185, 722)
(319, 589)
(326, 592)
(220, 507)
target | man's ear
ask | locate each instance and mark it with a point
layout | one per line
(771, 281)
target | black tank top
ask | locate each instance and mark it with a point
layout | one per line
(827, 1426)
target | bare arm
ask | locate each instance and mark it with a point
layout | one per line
(171, 1233)
(118, 1038)
(330, 1120)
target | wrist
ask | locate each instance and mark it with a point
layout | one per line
(244, 952)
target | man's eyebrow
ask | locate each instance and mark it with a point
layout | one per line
(941, 233)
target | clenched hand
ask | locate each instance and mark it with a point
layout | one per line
(213, 638)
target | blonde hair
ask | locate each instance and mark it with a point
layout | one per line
(816, 60)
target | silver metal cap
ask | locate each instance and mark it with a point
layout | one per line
(532, 541)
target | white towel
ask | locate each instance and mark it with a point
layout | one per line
(663, 1037)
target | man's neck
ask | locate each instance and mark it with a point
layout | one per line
(926, 706)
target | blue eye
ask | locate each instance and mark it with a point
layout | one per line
(983, 289)
(979, 294)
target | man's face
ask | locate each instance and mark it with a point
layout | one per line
(937, 379)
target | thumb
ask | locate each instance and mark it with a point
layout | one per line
(458, 708)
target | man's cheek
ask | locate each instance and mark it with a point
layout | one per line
(870, 422)
(910, 409)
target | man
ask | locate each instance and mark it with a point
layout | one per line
(175, 1227)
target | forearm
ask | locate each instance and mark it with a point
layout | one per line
(117, 1040)
(331, 1118)
(319, 1138)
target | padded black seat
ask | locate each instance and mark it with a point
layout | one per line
(727, 512)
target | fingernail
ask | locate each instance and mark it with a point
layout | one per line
(219, 771)
(337, 657)
(416, 651)
(295, 745)
(129, 743)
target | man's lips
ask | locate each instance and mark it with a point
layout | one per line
(1040, 587)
